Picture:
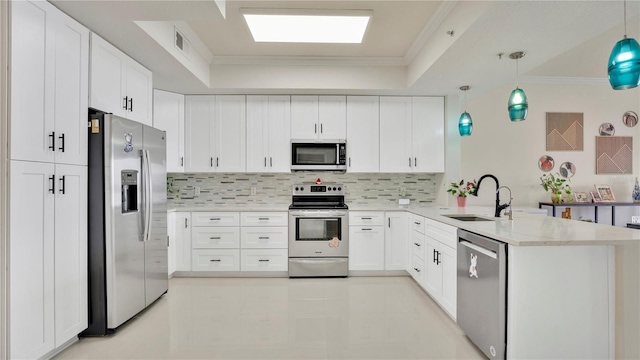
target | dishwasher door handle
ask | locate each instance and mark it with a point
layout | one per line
(487, 252)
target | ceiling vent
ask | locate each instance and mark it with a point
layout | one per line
(182, 43)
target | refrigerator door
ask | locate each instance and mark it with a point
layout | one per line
(123, 240)
(155, 178)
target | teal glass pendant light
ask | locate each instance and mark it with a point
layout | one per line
(624, 61)
(465, 124)
(518, 105)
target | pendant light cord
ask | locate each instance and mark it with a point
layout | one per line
(465, 101)
(625, 19)
(517, 74)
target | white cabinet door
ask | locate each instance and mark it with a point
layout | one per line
(71, 287)
(428, 134)
(366, 248)
(304, 117)
(395, 240)
(396, 153)
(332, 117)
(258, 133)
(433, 279)
(31, 250)
(268, 133)
(363, 133)
(230, 133)
(449, 263)
(139, 90)
(168, 115)
(171, 248)
(199, 124)
(108, 78)
(279, 134)
(183, 241)
(49, 56)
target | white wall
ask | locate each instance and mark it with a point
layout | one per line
(4, 41)
(511, 151)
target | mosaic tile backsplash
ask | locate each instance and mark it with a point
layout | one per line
(275, 189)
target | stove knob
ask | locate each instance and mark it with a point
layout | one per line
(328, 189)
(296, 188)
(334, 189)
(339, 189)
(301, 188)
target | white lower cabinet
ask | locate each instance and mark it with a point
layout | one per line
(179, 230)
(395, 240)
(264, 241)
(48, 251)
(366, 240)
(441, 264)
(215, 241)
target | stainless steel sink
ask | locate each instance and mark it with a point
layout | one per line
(468, 218)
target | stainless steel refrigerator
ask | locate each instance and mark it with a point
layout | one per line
(127, 220)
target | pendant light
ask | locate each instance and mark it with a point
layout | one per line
(465, 125)
(624, 61)
(518, 105)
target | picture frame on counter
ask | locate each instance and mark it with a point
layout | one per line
(595, 196)
(581, 196)
(605, 192)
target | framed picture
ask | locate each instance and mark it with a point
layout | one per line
(595, 196)
(581, 196)
(606, 194)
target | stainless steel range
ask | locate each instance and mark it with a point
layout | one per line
(318, 231)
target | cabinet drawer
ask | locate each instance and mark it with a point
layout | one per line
(264, 237)
(264, 260)
(417, 223)
(215, 260)
(444, 233)
(418, 244)
(418, 270)
(366, 218)
(215, 218)
(264, 218)
(215, 237)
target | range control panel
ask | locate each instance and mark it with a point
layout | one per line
(318, 189)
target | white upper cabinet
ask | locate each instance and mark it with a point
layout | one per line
(168, 115)
(411, 134)
(49, 85)
(268, 133)
(363, 134)
(119, 84)
(215, 128)
(318, 117)
(428, 134)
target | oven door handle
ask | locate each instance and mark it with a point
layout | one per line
(319, 213)
(318, 260)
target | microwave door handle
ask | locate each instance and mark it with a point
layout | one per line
(338, 154)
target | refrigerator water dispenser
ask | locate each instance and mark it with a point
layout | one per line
(129, 190)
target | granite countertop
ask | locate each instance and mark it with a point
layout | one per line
(526, 228)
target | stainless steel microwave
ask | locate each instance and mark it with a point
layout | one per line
(322, 155)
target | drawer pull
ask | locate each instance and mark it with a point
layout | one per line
(416, 244)
(263, 260)
(214, 219)
(416, 269)
(366, 229)
(263, 218)
(366, 218)
(215, 238)
(263, 237)
(417, 223)
(215, 260)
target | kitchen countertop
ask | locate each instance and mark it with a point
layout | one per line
(526, 229)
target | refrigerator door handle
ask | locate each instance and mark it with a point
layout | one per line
(146, 180)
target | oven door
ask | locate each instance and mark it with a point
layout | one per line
(311, 233)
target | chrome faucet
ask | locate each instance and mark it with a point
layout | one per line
(504, 206)
(499, 207)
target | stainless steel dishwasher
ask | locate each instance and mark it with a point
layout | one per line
(482, 297)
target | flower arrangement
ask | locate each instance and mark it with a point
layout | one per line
(462, 190)
(557, 185)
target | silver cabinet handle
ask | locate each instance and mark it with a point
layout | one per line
(263, 218)
(263, 260)
(320, 128)
(53, 141)
(416, 269)
(126, 102)
(263, 237)
(214, 237)
(211, 162)
(265, 161)
(349, 161)
(217, 162)
(416, 244)
(366, 218)
(186, 223)
(417, 223)
(409, 162)
(52, 189)
(181, 160)
(389, 220)
(215, 260)
(131, 104)
(61, 137)
(270, 161)
(214, 219)
(62, 184)
(315, 128)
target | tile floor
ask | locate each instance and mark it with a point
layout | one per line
(281, 318)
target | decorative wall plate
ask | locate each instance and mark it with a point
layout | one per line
(630, 118)
(546, 163)
(607, 129)
(567, 169)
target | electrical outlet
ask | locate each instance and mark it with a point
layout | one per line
(197, 191)
(253, 190)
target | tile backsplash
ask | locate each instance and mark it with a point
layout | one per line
(235, 189)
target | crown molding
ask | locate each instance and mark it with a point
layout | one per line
(438, 17)
(308, 60)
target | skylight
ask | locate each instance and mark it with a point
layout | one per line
(307, 26)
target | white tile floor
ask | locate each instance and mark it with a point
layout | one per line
(281, 318)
